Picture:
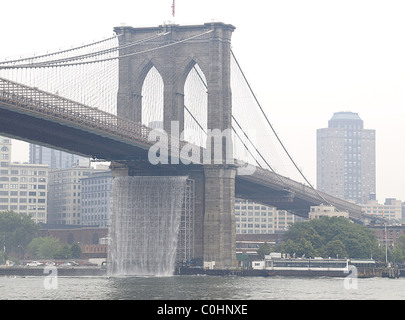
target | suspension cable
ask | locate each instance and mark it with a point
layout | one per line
(275, 133)
(60, 52)
(41, 65)
(56, 62)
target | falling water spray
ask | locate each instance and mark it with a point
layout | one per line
(145, 225)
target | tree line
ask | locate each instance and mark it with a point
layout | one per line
(334, 237)
(19, 237)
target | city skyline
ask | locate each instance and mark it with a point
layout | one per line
(54, 158)
(305, 61)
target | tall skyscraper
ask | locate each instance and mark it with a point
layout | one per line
(54, 158)
(346, 164)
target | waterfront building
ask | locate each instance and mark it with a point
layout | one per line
(403, 211)
(23, 187)
(64, 201)
(325, 210)
(96, 201)
(249, 243)
(391, 209)
(90, 239)
(388, 234)
(346, 162)
(253, 218)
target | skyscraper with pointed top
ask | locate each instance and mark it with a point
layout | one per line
(346, 162)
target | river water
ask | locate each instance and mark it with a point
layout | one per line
(200, 288)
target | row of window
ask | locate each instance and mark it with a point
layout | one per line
(95, 203)
(97, 188)
(87, 182)
(238, 207)
(22, 179)
(23, 172)
(22, 186)
(22, 200)
(89, 217)
(94, 210)
(257, 214)
(22, 208)
(253, 231)
(254, 219)
(63, 187)
(251, 225)
(69, 174)
(64, 201)
(22, 193)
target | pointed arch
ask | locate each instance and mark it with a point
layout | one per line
(195, 104)
(152, 89)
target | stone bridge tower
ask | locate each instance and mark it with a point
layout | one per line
(209, 46)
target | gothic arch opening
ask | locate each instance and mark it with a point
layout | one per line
(152, 99)
(195, 105)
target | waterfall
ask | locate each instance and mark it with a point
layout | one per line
(145, 225)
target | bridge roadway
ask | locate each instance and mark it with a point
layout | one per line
(35, 116)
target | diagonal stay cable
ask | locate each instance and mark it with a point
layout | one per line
(236, 133)
(275, 133)
(196, 121)
(244, 132)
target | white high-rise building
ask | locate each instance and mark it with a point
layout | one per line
(391, 209)
(346, 161)
(253, 218)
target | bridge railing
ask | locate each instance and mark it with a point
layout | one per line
(54, 106)
(264, 177)
(31, 99)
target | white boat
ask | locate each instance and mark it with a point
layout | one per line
(303, 266)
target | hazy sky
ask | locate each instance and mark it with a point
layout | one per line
(304, 59)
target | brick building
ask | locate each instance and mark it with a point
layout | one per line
(91, 239)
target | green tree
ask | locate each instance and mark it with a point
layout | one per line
(396, 255)
(289, 246)
(305, 248)
(334, 248)
(263, 250)
(64, 252)
(44, 247)
(401, 242)
(16, 231)
(75, 250)
(330, 236)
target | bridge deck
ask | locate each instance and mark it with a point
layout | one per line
(36, 116)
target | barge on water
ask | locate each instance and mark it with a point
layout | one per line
(316, 267)
(299, 267)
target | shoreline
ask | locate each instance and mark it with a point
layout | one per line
(97, 271)
(61, 271)
(370, 273)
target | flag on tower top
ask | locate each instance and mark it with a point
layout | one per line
(173, 8)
